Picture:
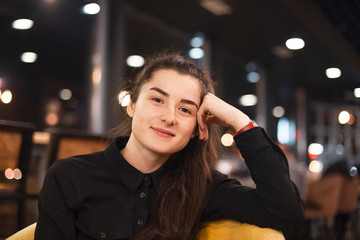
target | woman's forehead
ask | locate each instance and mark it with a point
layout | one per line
(175, 83)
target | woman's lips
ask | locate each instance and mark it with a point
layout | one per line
(163, 133)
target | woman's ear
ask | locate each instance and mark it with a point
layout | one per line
(130, 109)
(195, 133)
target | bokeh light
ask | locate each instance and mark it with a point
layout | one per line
(333, 72)
(51, 119)
(295, 43)
(22, 24)
(315, 149)
(316, 166)
(344, 117)
(9, 173)
(278, 111)
(253, 77)
(6, 96)
(17, 174)
(28, 57)
(91, 9)
(196, 53)
(248, 100)
(227, 139)
(135, 61)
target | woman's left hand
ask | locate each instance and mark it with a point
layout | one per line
(215, 110)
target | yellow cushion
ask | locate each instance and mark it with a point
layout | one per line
(24, 234)
(229, 230)
(219, 230)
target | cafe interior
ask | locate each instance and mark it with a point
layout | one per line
(292, 66)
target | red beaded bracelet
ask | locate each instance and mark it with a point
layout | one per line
(250, 125)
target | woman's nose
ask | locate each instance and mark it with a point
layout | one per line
(169, 116)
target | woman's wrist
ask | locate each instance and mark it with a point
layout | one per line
(248, 126)
(240, 121)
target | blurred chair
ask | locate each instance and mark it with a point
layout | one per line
(15, 154)
(26, 233)
(347, 206)
(67, 143)
(349, 195)
(228, 230)
(322, 203)
(219, 230)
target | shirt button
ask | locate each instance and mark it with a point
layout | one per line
(142, 194)
(102, 235)
(140, 222)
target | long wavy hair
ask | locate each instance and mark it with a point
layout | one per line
(184, 190)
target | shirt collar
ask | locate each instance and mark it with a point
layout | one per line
(128, 174)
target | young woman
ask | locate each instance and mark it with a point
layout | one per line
(159, 182)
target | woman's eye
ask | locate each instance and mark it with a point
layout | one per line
(156, 99)
(185, 110)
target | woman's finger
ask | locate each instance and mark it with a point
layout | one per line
(203, 130)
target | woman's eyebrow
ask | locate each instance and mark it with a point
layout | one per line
(162, 92)
(190, 102)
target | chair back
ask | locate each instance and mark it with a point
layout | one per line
(65, 144)
(349, 195)
(218, 230)
(229, 229)
(15, 154)
(26, 233)
(323, 197)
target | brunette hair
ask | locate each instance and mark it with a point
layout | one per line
(184, 190)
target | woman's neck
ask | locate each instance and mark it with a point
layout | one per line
(141, 158)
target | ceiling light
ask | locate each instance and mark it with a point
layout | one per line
(295, 43)
(315, 149)
(333, 72)
(135, 61)
(6, 96)
(91, 8)
(197, 40)
(65, 94)
(278, 111)
(216, 7)
(253, 77)
(357, 92)
(344, 117)
(196, 53)
(248, 100)
(22, 24)
(28, 57)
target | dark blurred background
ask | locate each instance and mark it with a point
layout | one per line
(81, 60)
(65, 41)
(83, 57)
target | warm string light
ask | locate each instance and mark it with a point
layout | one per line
(6, 96)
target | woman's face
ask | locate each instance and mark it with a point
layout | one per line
(164, 115)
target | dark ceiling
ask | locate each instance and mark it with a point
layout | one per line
(63, 37)
(330, 28)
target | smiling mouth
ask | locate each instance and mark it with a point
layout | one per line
(163, 133)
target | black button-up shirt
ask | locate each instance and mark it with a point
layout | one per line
(102, 196)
